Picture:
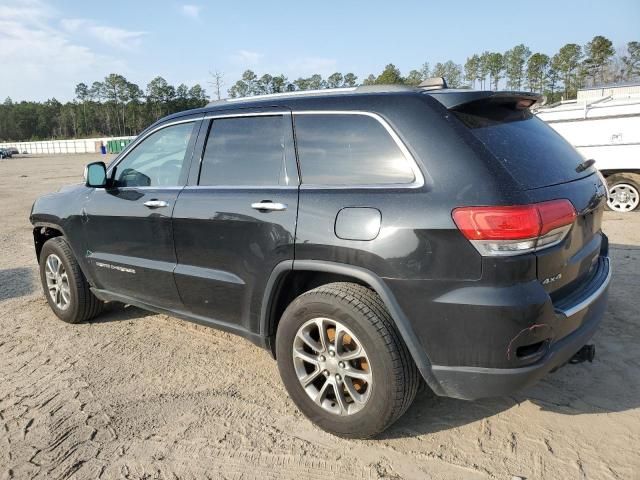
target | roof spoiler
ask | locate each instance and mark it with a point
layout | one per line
(433, 83)
(457, 100)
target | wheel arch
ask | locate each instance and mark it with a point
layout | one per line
(277, 297)
(42, 232)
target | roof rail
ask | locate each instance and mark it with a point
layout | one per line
(310, 93)
(295, 93)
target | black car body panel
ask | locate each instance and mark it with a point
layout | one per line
(63, 211)
(144, 244)
(226, 250)
(475, 325)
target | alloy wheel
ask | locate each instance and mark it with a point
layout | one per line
(332, 366)
(57, 282)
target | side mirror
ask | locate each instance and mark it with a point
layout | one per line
(95, 175)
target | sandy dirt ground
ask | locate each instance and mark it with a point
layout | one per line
(137, 395)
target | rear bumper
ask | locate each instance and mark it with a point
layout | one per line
(471, 383)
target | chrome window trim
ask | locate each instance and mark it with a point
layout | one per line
(159, 187)
(274, 113)
(241, 187)
(285, 114)
(418, 180)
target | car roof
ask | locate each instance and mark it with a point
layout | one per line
(301, 98)
(450, 98)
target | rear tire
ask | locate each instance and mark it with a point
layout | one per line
(369, 379)
(65, 286)
(624, 192)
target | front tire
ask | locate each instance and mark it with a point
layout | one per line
(624, 192)
(65, 286)
(343, 362)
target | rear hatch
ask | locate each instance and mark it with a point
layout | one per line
(547, 167)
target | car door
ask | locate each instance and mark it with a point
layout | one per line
(128, 226)
(236, 219)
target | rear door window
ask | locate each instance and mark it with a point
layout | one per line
(533, 153)
(249, 151)
(348, 149)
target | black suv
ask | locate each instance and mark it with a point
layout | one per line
(369, 237)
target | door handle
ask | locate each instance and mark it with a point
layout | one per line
(269, 206)
(155, 203)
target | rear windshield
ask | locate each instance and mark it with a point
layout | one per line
(527, 147)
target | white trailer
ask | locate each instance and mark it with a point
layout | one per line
(605, 128)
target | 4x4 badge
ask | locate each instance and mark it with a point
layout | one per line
(549, 280)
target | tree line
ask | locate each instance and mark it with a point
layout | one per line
(113, 107)
(558, 76)
(117, 107)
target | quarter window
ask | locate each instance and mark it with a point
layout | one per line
(347, 149)
(158, 160)
(252, 151)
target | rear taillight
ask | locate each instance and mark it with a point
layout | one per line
(517, 229)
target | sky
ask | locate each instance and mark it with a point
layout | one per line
(47, 47)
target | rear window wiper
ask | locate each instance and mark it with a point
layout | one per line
(584, 165)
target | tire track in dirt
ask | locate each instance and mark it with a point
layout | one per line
(42, 405)
(50, 410)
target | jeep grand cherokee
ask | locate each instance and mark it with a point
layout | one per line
(368, 237)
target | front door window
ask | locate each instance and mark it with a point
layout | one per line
(159, 160)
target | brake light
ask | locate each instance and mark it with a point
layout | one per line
(517, 229)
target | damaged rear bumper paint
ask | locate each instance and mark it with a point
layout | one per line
(470, 383)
